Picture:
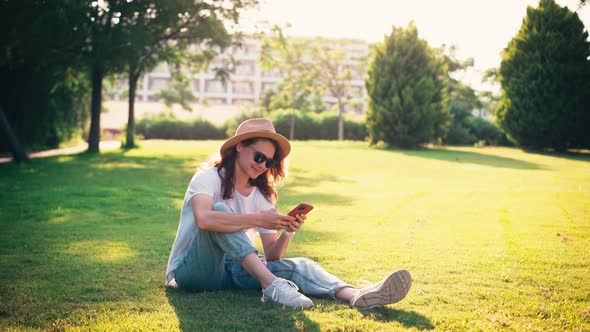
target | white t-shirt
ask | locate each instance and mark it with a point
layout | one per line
(208, 182)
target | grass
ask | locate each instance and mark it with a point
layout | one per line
(495, 239)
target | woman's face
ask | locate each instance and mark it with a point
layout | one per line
(246, 154)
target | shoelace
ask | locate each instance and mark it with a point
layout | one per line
(284, 283)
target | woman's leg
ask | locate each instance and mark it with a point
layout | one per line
(203, 265)
(255, 268)
(311, 278)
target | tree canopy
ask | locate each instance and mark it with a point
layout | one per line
(545, 77)
(43, 88)
(51, 55)
(406, 87)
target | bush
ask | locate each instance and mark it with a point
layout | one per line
(308, 126)
(484, 130)
(458, 134)
(313, 126)
(167, 126)
(472, 130)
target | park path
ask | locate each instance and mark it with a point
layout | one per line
(104, 145)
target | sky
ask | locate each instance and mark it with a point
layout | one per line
(480, 29)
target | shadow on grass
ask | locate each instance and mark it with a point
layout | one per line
(85, 235)
(469, 157)
(408, 319)
(234, 310)
(241, 310)
(583, 155)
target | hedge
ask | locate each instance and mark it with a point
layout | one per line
(166, 126)
(308, 126)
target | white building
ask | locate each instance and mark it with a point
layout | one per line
(248, 81)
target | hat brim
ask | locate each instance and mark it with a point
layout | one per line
(283, 143)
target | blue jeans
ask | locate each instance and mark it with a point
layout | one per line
(212, 262)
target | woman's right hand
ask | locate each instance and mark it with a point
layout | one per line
(272, 219)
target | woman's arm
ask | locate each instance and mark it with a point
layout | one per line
(227, 222)
(275, 246)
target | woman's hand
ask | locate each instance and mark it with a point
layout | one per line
(297, 223)
(272, 219)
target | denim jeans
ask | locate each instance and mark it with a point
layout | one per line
(212, 262)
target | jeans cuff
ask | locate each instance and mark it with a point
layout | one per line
(332, 292)
(244, 253)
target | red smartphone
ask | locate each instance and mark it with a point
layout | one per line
(301, 208)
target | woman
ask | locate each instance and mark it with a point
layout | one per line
(227, 205)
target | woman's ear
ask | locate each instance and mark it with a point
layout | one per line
(239, 147)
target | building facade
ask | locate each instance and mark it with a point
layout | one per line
(248, 82)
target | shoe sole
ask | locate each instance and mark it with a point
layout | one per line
(390, 290)
(304, 306)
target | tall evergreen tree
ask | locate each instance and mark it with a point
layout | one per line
(42, 90)
(545, 77)
(405, 84)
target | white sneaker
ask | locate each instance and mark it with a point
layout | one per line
(285, 292)
(389, 290)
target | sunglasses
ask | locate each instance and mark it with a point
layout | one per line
(259, 157)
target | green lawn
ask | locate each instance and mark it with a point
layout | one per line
(495, 239)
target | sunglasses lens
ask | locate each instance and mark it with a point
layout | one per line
(259, 157)
(270, 163)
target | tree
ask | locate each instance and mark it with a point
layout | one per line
(17, 151)
(138, 34)
(102, 47)
(189, 33)
(462, 100)
(291, 58)
(491, 99)
(42, 89)
(179, 93)
(334, 73)
(545, 77)
(406, 82)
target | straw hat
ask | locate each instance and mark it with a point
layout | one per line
(260, 128)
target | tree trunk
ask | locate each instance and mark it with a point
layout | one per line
(340, 120)
(292, 129)
(95, 107)
(133, 77)
(17, 152)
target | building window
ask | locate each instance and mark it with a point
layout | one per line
(158, 83)
(213, 86)
(245, 69)
(242, 101)
(272, 73)
(243, 87)
(268, 86)
(216, 101)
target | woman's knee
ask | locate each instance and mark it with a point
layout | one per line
(303, 261)
(222, 207)
(299, 263)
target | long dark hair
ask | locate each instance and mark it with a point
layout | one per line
(265, 182)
